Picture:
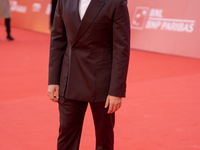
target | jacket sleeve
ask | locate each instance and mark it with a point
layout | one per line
(57, 46)
(121, 50)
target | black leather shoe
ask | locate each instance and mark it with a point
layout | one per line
(10, 38)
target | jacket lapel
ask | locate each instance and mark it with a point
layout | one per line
(74, 12)
(92, 11)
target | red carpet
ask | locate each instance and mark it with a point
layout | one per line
(161, 111)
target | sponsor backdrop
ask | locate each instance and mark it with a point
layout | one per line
(30, 14)
(167, 26)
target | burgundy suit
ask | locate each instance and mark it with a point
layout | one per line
(89, 58)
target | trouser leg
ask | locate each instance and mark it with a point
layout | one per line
(71, 121)
(104, 124)
(7, 24)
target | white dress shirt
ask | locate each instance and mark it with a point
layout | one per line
(83, 5)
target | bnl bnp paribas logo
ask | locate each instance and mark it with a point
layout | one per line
(146, 18)
(36, 7)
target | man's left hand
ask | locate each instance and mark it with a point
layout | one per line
(113, 103)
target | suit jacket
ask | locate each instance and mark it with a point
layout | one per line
(89, 58)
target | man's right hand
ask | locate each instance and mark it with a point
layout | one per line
(53, 92)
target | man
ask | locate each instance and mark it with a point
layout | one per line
(53, 8)
(5, 13)
(89, 55)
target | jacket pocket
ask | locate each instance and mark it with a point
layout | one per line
(103, 75)
(64, 75)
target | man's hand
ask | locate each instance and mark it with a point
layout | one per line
(53, 89)
(114, 103)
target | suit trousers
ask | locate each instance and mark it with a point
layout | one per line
(7, 23)
(72, 114)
